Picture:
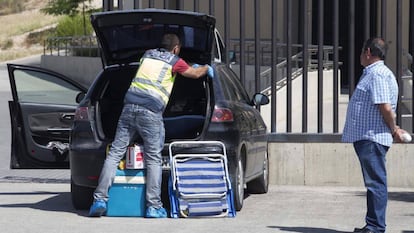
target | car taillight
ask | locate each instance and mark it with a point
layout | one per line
(81, 114)
(222, 115)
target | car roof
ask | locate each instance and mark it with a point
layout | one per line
(125, 35)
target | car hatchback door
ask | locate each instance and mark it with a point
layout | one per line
(42, 112)
(124, 36)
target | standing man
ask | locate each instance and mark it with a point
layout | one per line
(144, 104)
(370, 126)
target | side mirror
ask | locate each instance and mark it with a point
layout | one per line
(80, 96)
(260, 99)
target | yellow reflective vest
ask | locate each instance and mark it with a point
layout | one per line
(154, 80)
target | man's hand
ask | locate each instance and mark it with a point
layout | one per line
(210, 72)
(195, 71)
(401, 135)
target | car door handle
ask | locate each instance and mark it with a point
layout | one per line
(58, 129)
(67, 116)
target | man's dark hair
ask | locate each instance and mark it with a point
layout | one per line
(377, 46)
(169, 41)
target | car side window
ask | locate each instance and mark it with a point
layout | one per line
(219, 49)
(233, 87)
(38, 87)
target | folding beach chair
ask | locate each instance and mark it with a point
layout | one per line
(199, 184)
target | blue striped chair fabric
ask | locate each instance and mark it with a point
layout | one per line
(201, 186)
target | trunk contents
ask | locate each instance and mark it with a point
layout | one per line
(185, 114)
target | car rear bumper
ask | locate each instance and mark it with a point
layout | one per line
(86, 166)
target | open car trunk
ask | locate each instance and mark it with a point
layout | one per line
(184, 117)
(124, 36)
(187, 111)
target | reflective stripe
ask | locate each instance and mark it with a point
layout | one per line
(154, 92)
(151, 83)
(154, 77)
(163, 72)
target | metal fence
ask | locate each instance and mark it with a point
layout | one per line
(86, 46)
(281, 40)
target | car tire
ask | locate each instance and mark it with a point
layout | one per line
(82, 197)
(260, 184)
(237, 182)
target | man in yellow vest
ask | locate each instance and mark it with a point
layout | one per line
(144, 104)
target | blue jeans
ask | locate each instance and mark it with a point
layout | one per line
(372, 158)
(136, 120)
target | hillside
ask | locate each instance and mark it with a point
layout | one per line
(23, 33)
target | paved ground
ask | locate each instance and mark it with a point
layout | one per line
(43, 204)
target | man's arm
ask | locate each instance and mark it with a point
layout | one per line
(389, 118)
(195, 73)
(187, 71)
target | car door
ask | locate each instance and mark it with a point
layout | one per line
(240, 108)
(256, 132)
(41, 112)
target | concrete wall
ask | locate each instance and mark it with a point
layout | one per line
(334, 164)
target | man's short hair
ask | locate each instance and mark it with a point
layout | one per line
(377, 46)
(169, 41)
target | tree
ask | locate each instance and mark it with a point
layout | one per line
(66, 7)
(63, 7)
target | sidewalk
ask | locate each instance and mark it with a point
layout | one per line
(46, 207)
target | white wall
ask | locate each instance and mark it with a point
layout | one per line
(334, 164)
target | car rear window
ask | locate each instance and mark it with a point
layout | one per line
(143, 37)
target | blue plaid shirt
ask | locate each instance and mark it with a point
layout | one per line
(364, 120)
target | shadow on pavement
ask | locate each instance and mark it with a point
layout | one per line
(58, 202)
(401, 196)
(23, 179)
(306, 229)
(395, 196)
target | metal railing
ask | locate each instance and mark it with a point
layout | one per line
(266, 53)
(84, 46)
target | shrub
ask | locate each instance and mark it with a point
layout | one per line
(75, 25)
(38, 37)
(6, 44)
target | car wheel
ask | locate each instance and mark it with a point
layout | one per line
(82, 197)
(261, 183)
(237, 183)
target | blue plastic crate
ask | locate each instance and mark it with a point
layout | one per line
(127, 194)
